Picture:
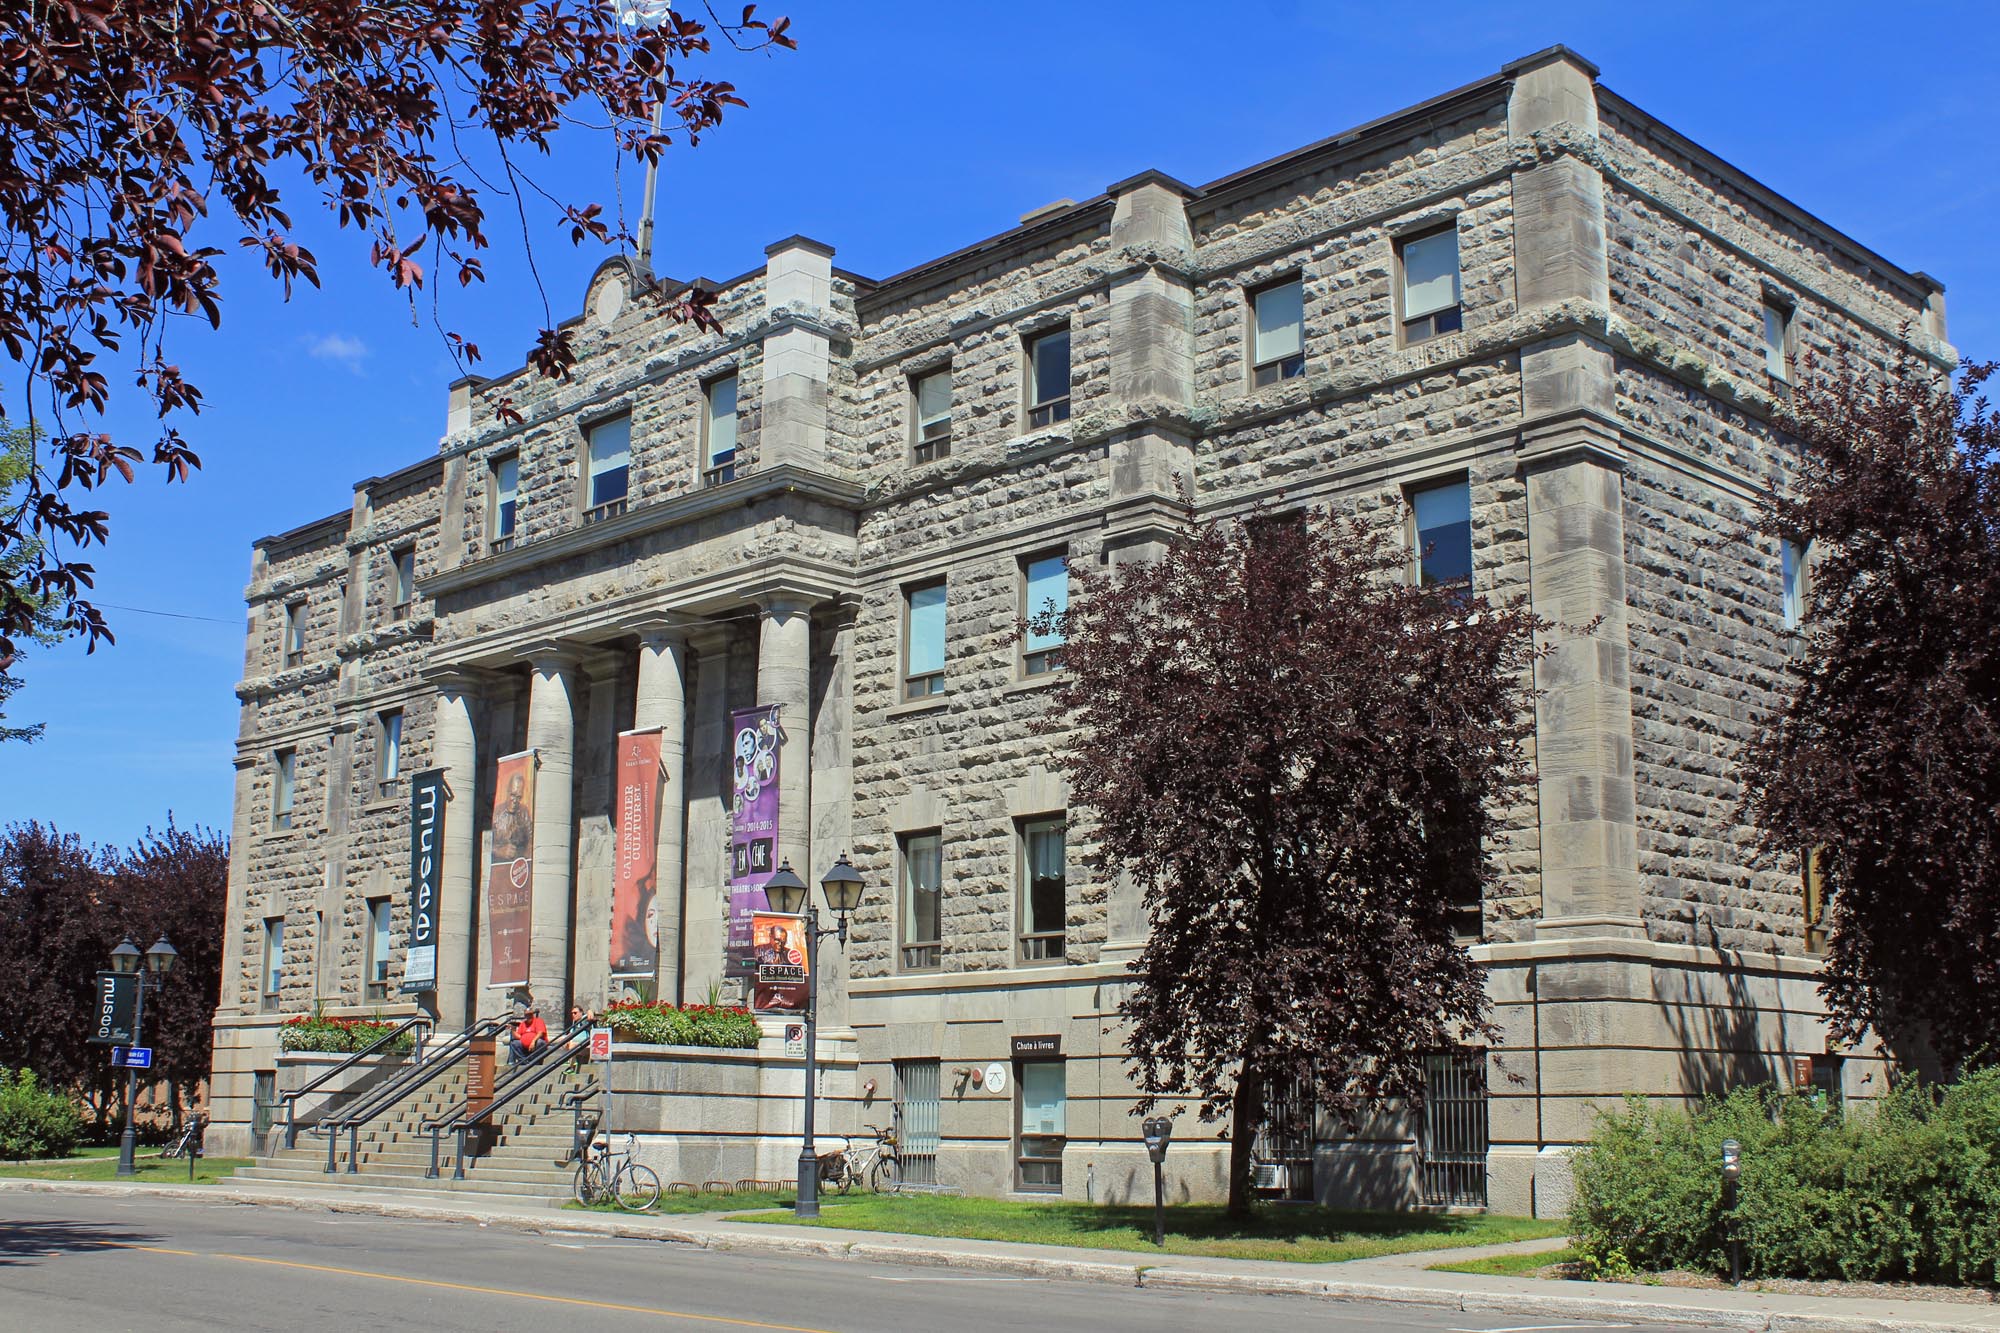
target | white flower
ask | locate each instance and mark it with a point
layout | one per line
(641, 13)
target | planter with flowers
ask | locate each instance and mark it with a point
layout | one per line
(722, 1026)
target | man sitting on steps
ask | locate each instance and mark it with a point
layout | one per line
(529, 1033)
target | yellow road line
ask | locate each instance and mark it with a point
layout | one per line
(460, 1286)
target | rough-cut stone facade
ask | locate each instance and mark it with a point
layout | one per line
(1606, 402)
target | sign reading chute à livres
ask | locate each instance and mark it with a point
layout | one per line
(428, 795)
(635, 931)
(510, 883)
(755, 740)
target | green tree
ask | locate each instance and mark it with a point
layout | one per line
(17, 462)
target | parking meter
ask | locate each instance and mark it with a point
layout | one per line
(1158, 1131)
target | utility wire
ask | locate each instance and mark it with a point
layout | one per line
(171, 615)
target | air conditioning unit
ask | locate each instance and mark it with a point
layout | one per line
(1272, 1176)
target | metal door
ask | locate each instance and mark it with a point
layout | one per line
(917, 1084)
(1452, 1151)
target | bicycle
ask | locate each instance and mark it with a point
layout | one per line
(604, 1174)
(189, 1143)
(875, 1165)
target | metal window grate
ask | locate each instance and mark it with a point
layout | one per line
(1452, 1151)
(917, 1102)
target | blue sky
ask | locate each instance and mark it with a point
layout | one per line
(895, 133)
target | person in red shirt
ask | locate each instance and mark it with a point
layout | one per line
(529, 1033)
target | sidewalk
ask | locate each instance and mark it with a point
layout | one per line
(1397, 1279)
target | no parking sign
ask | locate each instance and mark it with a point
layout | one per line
(600, 1043)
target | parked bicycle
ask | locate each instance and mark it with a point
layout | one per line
(189, 1143)
(874, 1165)
(604, 1174)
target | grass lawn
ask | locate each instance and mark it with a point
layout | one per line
(681, 1202)
(102, 1164)
(1288, 1232)
(1510, 1265)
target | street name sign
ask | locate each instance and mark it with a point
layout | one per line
(132, 1057)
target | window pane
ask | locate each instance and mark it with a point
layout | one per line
(392, 744)
(610, 460)
(379, 952)
(1430, 274)
(934, 398)
(1774, 341)
(1048, 590)
(1043, 1102)
(923, 867)
(926, 630)
(1794, 576)
(286, 763)
(406, 574)
(1046, 906)
(274, 955)
(721, 420)
(295, 627)
(1051, 367)
(506, 490)
(1444, 532)
(1281, 317)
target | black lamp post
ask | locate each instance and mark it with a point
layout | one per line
(160, 960)
(787, 893)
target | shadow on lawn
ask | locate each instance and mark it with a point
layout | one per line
(26, 1242)
(1269, 1222)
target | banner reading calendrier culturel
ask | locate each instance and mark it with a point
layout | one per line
(428, 795)
(754, 741)
(510, 883)
(635, 931)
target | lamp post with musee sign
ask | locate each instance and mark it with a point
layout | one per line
(125, 986)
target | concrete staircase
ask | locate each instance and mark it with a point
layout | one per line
(529, 1138)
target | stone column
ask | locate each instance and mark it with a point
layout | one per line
(552, 735)
(798, 281)
(662, 703)
(455, 749)
(1572, 456)
(596, 817)
(784, 677)
(236, 921)
(705, 872)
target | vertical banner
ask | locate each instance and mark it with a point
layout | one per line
(116, 1011)
(635, 928)
(427, 798)
(781, 963)
(510, 883)
(755, 739)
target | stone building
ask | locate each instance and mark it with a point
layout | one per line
(1525, 307)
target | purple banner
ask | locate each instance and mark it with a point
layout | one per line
(754, 741)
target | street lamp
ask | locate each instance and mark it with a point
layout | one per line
(787, 893)
(159, 960)
(1732, 1167)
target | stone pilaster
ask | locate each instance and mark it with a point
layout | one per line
(798, 279)
(596, 840)
(234, 998)
(704, 883)
(1572, 458)
(784, 678)
(455, 749)
(552, 735)
(661, 702)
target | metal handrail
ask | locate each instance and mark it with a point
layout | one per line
(422, 1022)
(552, 1054)
(382, 1098)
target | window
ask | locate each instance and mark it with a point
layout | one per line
(1812, 897)
(1792, 561)
(1430, 285)
(390, 738)
(918, 1083)
(923, 640)
(284, 783)
(1045, 591)
(1048, 379)
(1041, 1108)
(506, 495)
(1443, 521)
(1044, 889)
(1452, 1139)
(375, 976)
(610, 469)
(402, 581)
(274, 961)
(923, 879)
(264, 1103)
(295, 633)
(718, 426)
(1277, 342)
(1778, 342)
(932, 396)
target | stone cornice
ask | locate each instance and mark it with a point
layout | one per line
(762, 484)
(257, 689)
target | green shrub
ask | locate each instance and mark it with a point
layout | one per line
(340, 1036)
(35, 1122)
(691, 1025)
(1907, 1191)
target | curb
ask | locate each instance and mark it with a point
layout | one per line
(1553, 1303)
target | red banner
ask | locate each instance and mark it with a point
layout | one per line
(635, 930)
(510, 883)
(780, 951)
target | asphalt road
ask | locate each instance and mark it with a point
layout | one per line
(159, 1266)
